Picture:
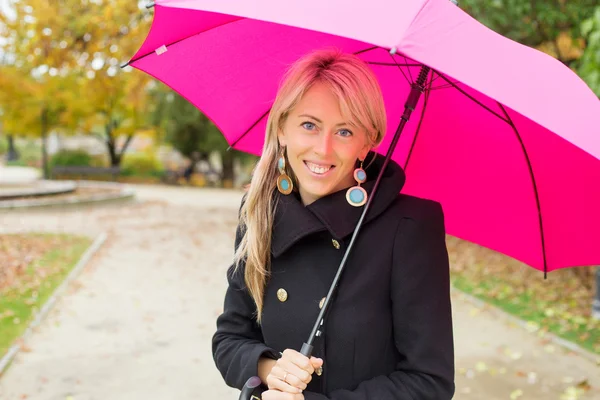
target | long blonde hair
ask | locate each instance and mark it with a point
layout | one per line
(361, 101)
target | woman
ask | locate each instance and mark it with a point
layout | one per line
(388, 333)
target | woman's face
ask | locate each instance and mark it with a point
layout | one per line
(322, 147)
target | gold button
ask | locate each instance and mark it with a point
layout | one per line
(322, 302)
(336, 244)
(282, 295)
(319, 371)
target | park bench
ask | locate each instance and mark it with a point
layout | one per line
(84, 171)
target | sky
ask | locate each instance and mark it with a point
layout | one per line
(4, 10)
(4, 6)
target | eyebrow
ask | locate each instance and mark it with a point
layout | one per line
(319, 121)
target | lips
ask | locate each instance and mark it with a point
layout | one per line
(319, 169)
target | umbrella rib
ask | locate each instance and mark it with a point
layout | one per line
(473, 99)
(441, 87)
(408, 69)
(533, 182)
(177, 41)
(367, 49)
(509, 121)
(267, 112)
(249, 129)
(401, 70)
(393, 65)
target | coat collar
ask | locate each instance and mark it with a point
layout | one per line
(332, 213)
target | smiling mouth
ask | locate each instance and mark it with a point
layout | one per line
(318, 169)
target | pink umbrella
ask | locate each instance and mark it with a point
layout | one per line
(508, 138)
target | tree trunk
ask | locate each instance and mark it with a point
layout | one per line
(115, 155)
(115, 159)
(44, 134)
(12, 154)
(228, 173)
(125, 146)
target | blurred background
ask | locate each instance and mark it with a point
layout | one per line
(118, 204)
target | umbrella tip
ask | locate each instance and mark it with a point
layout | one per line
(455, 2)
(229, 148)
(150, 5)
(393, 50)
(125, 64)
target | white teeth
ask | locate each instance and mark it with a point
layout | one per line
(317, 169)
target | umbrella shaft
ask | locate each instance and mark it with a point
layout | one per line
(411, 103)
(251, 389)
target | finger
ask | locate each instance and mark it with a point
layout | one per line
(275, 382)
(277, 395)
(290, 378)
(287, 365)
(316, 362)
(298, 359)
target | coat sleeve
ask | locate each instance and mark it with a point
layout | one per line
(238, 343)
(422, 317)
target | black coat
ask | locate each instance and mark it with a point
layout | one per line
(388, 334)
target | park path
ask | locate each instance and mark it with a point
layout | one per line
(137, 323)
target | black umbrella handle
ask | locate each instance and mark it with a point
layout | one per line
(252, 389)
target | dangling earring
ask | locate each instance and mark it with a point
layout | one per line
(284, 183)
(357, 196)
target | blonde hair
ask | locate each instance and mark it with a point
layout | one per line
(361, 101)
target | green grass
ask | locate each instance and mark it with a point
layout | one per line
(556, 317)
(20, 302)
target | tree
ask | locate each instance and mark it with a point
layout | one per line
(35, 74)
(190, 131)
(34, 104)
(8, 111)
(589, 70)
(71, 66)
(117, 102)
(589, 64)
(551, 26)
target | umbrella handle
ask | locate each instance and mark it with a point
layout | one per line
(252, 389)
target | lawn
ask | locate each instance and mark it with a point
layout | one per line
(561, 304)
(32, 266)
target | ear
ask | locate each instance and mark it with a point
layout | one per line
(281, 138)
(364, 152)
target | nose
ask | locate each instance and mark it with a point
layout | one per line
(324, 140)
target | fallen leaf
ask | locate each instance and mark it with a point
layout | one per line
(515, 394)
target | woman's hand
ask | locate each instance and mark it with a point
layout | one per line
(292, 372)
(277, 395)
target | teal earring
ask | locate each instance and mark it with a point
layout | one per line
(357, 196)
(284, 183)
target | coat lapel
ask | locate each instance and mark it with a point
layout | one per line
(332, 213)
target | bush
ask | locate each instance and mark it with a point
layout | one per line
(17, 163)
(3, 144)
(141, 164)
(100, 160)
(30, 153)
(71, 158)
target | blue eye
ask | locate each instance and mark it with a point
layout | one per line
(345, 133)
(308, 125)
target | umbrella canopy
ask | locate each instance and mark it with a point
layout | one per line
(506, 137)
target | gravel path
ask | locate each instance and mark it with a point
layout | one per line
(137, 323)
